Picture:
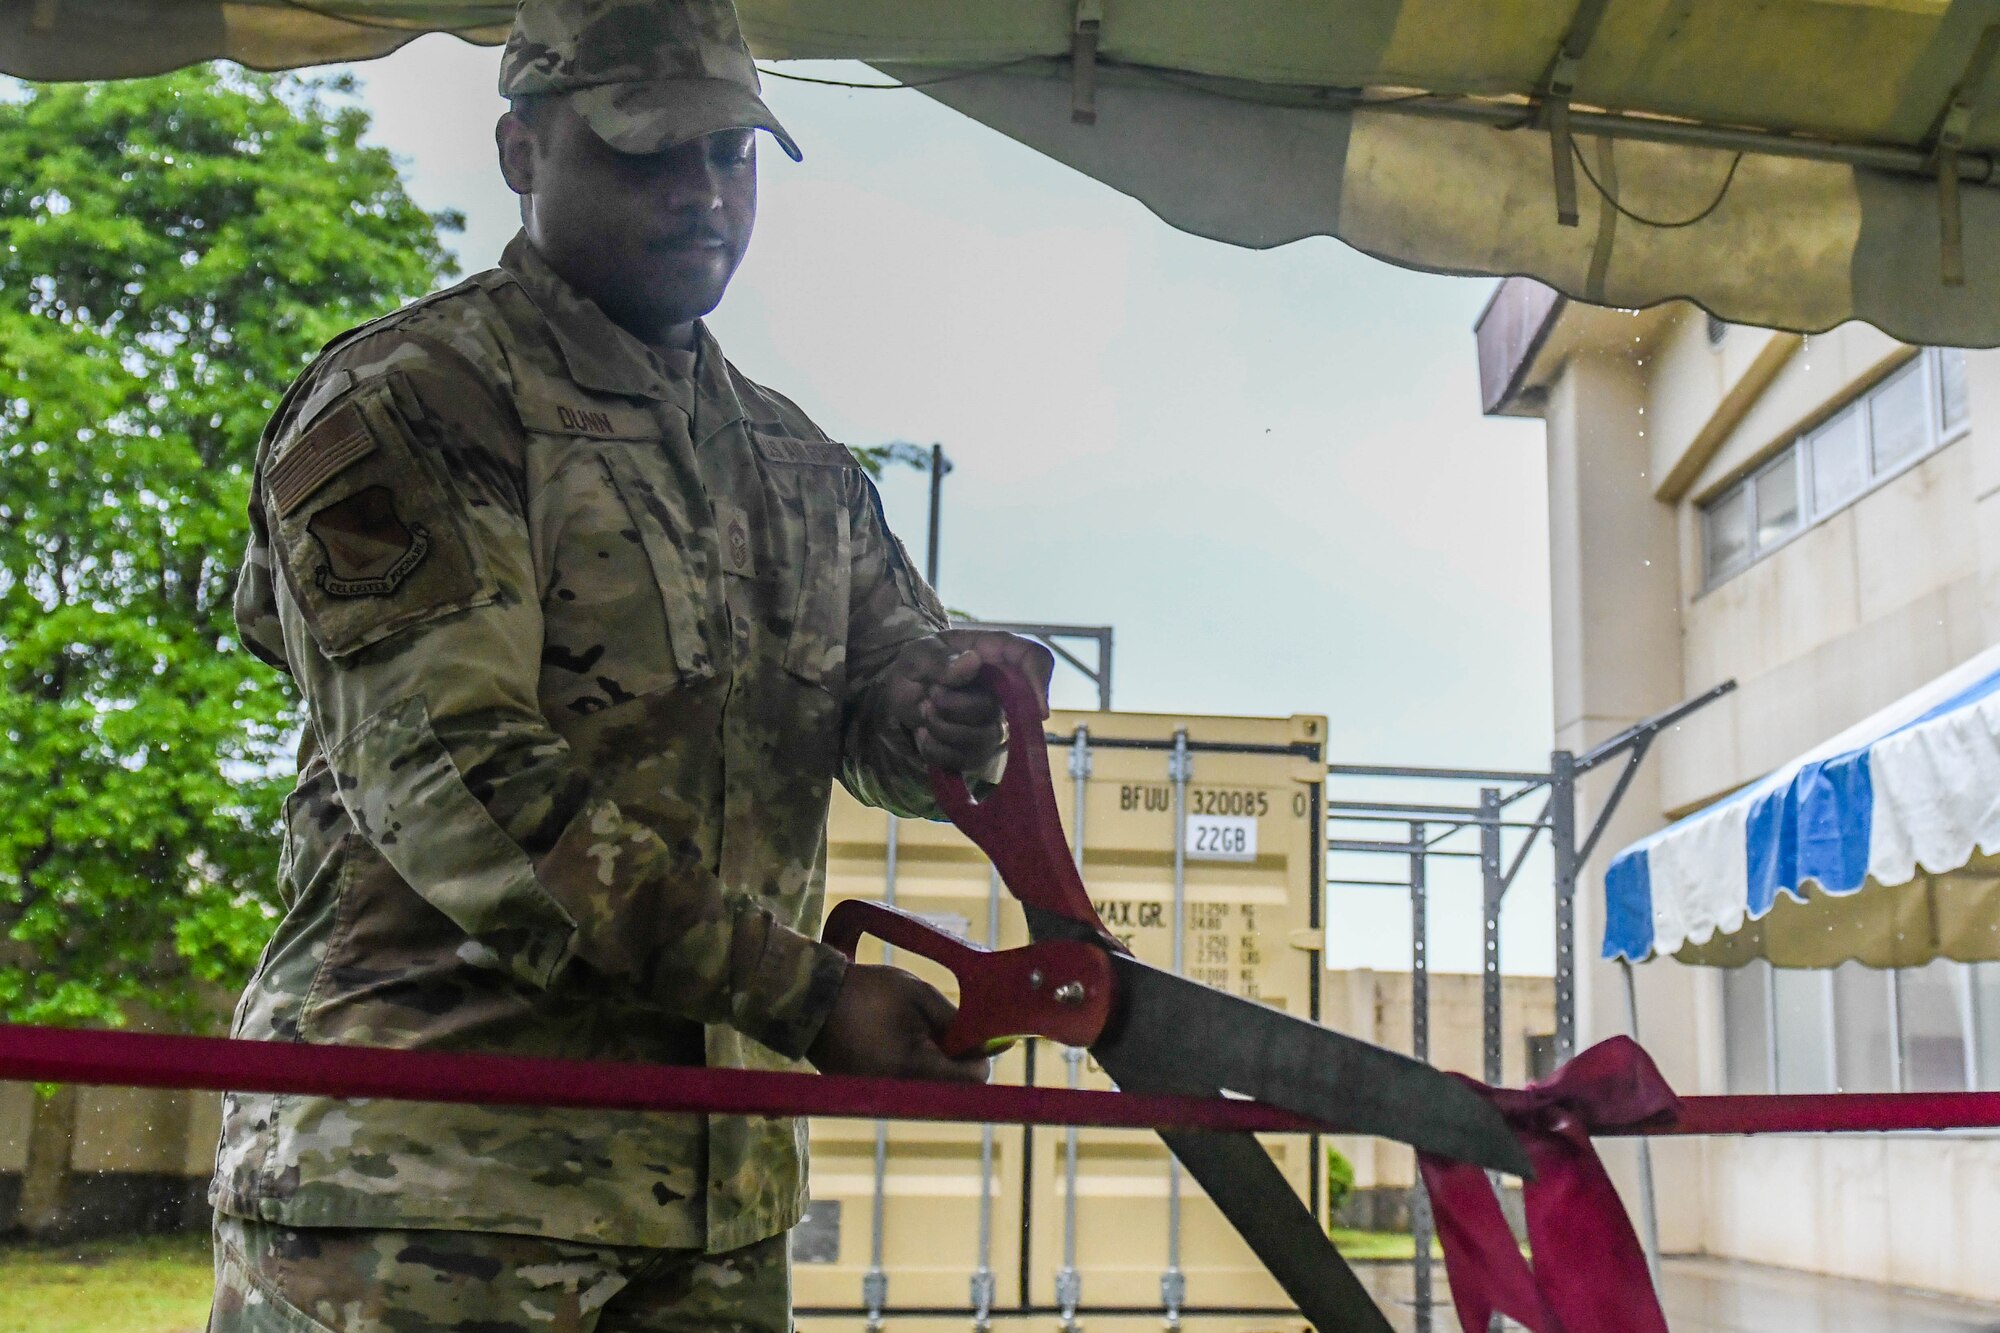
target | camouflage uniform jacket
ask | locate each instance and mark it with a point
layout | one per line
(584, 632)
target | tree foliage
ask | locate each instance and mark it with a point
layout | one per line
(173, 251)
(898, 453)
(1339, 1180)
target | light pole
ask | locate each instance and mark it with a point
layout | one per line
(940, 465)
(915, 455)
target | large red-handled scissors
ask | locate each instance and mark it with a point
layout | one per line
(1161, 1033)
(1060, 989)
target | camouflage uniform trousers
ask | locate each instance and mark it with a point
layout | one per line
(279, 1279)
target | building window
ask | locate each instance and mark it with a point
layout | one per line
(1984, 982)
(1934, 1028)
(1864, 1033)
(1804, 1007)
(1746, 1024)
(1780, 509)
(1913, 412)
(1837, 454)
(1951, 390)
(1726, 525)
(1936, 1056)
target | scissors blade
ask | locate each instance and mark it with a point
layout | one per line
(1202, 1039)
(1241, 1179)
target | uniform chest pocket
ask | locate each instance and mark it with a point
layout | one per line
(626, 601)
(809, 482)
(660, 521)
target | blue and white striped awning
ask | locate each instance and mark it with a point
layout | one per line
(1909, 797)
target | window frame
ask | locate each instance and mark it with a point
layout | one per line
(1926, 365)
(1802, 515)
(1978, 1077)
(1710, 512)
(1947, 432)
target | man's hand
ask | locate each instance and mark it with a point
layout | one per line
(887, 1023)
(934, 694)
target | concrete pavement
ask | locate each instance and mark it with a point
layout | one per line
(1718, 1296)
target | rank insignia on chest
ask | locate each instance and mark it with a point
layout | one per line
(369, 549)
(738, 554)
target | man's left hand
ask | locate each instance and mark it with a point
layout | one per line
(935, 695)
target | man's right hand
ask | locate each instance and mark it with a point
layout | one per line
(886, 1023)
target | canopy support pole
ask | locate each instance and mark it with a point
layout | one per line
(1649, 1210)
(1422, 1229)
(1557, 87)
(1562, 150)
(1084, 32)
(1947, 143)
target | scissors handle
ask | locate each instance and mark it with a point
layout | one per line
(1016, 824)
(1060, 989)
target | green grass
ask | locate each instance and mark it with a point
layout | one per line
(1377, 1246)
(156, 1285)
(161, 1284)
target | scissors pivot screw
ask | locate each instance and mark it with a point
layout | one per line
(1070, 992)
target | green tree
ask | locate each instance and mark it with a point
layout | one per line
(1339, 1182)
(173, 251)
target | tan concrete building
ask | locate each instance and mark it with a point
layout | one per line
(1817, 518)
(1375, 1006)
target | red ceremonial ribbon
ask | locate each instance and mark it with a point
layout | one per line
(1588, 1274)
(149, 1060)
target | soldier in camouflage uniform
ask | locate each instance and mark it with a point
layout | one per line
(586, 623)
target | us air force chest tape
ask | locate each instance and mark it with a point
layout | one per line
(367, 531)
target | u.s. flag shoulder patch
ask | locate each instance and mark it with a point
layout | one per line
(329, 447)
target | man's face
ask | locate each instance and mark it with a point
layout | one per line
(652, 238)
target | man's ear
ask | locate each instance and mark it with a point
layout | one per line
(516, 143)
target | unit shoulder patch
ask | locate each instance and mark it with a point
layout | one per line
(369, 549)
(372, 535)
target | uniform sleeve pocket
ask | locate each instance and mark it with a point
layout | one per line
(370, 541)
(409, 800)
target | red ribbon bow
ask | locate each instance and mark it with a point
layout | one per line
(1589, 1274)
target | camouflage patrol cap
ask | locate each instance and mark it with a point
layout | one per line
(644, 74)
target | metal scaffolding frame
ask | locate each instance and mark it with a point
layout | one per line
(1427, 827)
(1054, 637)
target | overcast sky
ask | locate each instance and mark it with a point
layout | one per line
(1267, 470)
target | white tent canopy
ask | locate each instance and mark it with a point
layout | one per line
(1824, 159)
(1881, 845)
